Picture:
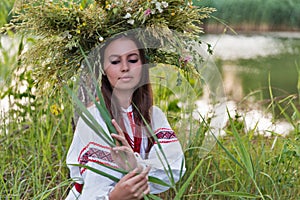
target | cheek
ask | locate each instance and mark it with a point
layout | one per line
(111, 74)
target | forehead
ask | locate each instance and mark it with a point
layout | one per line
(120, 47)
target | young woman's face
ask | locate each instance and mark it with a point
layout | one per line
(122, 64)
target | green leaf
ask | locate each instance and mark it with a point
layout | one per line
(151, 196)
(100, 106)
(168, 171)
(89, 119)
(155, 180)
(181, 191)
(233, 194)
(113, 178)
(244, 154)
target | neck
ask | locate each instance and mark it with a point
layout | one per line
(124, 97)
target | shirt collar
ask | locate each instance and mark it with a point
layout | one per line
(127, 110)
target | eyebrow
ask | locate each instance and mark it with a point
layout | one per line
(132, 54)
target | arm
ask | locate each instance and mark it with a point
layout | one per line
(134, 184)
(88, 149)
(171, 148)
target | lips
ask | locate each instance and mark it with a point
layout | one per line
(125, 78)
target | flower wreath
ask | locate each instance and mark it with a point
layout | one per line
(66, 30)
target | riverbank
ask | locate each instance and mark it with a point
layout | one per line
(252, 15)
(219, 28)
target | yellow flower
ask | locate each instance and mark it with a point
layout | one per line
(55, 109)
(172, 14)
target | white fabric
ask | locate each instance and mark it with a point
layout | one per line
(89, 149)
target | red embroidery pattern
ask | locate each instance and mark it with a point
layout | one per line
(97, 153)
(166, 135)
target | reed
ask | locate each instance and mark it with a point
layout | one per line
(259, 14)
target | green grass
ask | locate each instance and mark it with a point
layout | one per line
(5, 8)
(275, 14)
(35, 140)
(242, 165)
(33, 153)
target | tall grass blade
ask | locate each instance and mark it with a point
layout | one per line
(233, 194)
(245, 156)
(155, 180)
(101, 107)
(89, 119)
(273, 183)
(169, 170)
(113, 178)
(119, 170)
(152, 196)
(183, 188)
(298, 81)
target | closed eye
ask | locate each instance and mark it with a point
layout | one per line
(115, 62)
(133, 60)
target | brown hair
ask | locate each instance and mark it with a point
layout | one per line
(142, 98)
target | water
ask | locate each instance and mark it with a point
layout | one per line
(254, 68)
(251, 63)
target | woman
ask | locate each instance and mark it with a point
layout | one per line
(128, 96)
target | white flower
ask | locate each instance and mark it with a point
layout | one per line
(73, 78)
(164, 4)
(158, 7)
(130, 21)
(190, 3)
(127, 16)
(101, 38)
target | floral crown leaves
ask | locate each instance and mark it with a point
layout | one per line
(64, 28)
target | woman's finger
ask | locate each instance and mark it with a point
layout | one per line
(124, 149)
(130, 175)
(146, 170)
(120, 139)
(118, 128)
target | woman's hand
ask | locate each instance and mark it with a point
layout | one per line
(132, 186)
(123, 154)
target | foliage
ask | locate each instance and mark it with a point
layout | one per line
(35, 138)
(5, 8)
(273, 13)
(33, 151)
(61, 28)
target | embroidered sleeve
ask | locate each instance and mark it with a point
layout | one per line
(171, 148)
(88, 149)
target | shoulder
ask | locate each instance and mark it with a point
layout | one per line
(95, 114)
(159, 119)
(92, 108)
(156, 111)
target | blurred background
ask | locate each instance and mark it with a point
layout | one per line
(257, 47)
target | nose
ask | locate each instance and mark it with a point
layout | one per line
(124, 66)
